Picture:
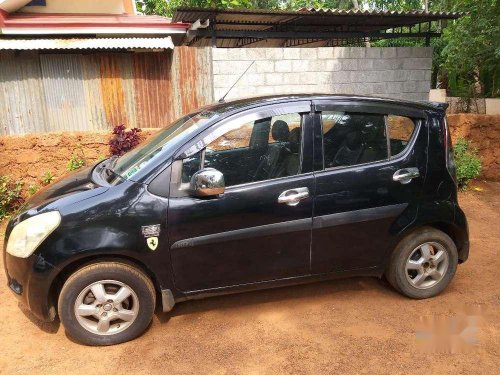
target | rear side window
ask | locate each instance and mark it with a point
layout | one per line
(353, 138)
(400, 130)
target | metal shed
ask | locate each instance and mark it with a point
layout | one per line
(332, 27)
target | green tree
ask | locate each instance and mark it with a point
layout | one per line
(167, 8)
(472, 48)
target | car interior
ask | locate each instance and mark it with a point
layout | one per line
(355, 138)
(270, 147)
(272, 151)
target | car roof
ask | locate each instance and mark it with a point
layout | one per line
(241, 104)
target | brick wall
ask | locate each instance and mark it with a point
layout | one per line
(398, 72)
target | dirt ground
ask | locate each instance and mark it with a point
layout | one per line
(356, 326)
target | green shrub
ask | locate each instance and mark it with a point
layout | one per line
(75, 163)
(10, 196)
(467, 162)
(32, 189)
(47, 178)
(77, 159)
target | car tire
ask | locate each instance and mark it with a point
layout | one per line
(423, 263)
(106, 303)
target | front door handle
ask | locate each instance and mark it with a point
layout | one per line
(405, 175)
(293, 197)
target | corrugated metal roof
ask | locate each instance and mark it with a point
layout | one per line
(264, 27)
(86, 43)
(191, 14)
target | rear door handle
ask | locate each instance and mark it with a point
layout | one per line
(405, 175)
(293, 197)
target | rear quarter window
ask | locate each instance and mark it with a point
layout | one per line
(400, 130)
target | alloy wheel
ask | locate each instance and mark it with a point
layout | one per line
(106, 307)
(427, 265)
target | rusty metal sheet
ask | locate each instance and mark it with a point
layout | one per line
(112, 90)
(127, 76)
(191, 79)
(153, 93)
(96, 115)
(62, 77)
(89, 92)
(21, 94)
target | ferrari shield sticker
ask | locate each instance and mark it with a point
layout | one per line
(152, 243)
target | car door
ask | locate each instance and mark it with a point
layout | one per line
(369, 178)
(260, 228)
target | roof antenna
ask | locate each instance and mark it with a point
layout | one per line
(221, 100)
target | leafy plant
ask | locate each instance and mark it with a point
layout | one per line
(467, 162)
(10, 196)
(123, 140)
(47, 178)
(77, 159)
(75, 163)
(32, 189)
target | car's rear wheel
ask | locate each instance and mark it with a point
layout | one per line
(106, 303)
(423, 263)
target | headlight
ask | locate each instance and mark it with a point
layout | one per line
(28, 234)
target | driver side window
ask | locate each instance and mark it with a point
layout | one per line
(263, 149)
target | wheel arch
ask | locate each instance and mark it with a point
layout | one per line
(72, 267)
(450, 229)
(456, 234)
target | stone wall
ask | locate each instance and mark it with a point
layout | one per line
(397, 72)
(29, 157)
(484, 133)
(483, 106)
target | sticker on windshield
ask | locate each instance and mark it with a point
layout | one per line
(132, 171)
(135, 169)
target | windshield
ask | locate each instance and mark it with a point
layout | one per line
(132, 162)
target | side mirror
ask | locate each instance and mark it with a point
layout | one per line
(207, 182)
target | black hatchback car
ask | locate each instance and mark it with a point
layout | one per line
(238, 196)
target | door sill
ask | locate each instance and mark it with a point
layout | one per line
(277, 283)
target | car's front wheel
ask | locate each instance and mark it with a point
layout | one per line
(106, 303)
(423, 263)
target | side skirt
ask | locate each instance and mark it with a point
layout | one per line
(306, 279)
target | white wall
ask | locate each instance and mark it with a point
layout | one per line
(79, 6)
(397, 72)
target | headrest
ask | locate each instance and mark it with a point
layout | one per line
(280, 131)
(294, 135)
(294, 140)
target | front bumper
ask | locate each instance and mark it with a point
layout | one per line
(30, 280)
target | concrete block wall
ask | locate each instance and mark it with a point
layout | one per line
(396, 72)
